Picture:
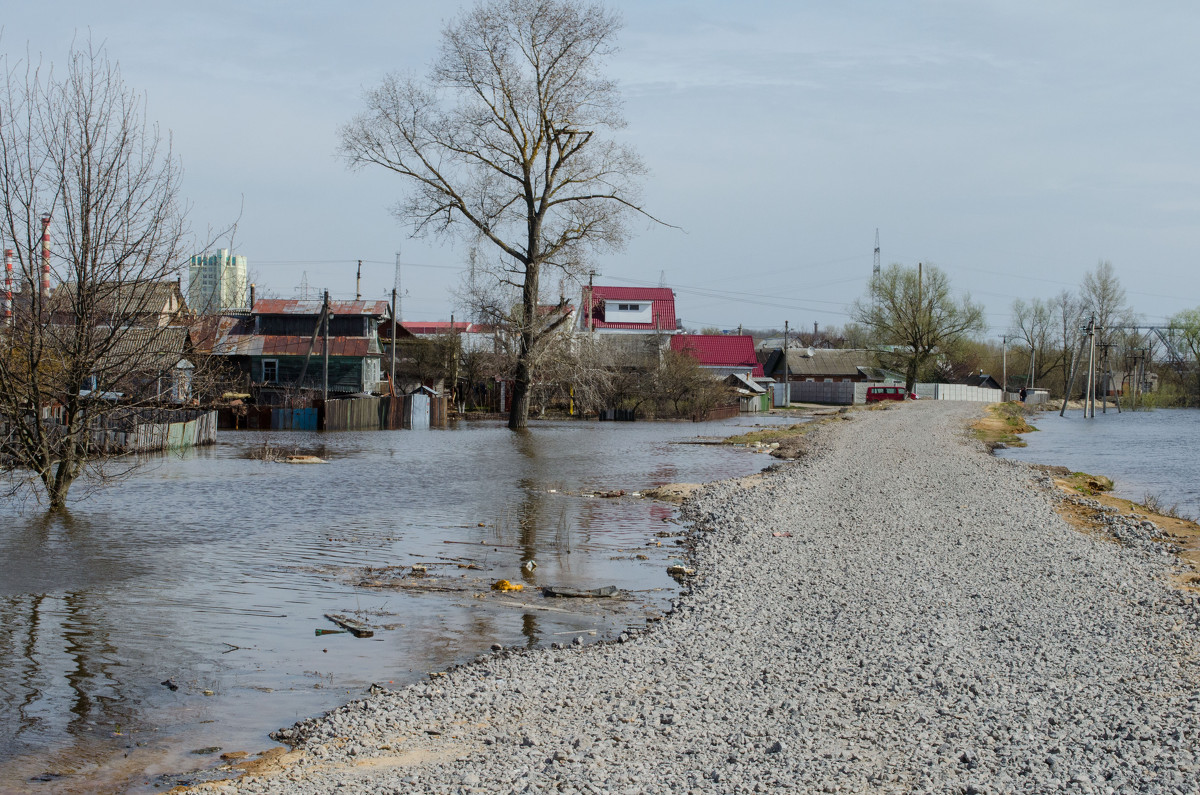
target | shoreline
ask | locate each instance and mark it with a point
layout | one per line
(1088, 505)
(459, 738)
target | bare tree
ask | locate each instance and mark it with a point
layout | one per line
(913, 313)
(98, 299)
(1033, 327)
(503, 145)
(1104, 297)
(1067, 309)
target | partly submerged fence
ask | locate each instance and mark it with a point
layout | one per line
(149, 430)
(417, 410)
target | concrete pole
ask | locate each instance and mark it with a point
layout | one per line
(392, 355)
(787, 381)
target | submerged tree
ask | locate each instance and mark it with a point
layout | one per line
(912, 313)
(503, 144)
(93, 316)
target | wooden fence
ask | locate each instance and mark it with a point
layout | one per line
(718, 413)
(385, 413)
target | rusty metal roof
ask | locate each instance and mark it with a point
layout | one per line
(299, 306)
(289, 345)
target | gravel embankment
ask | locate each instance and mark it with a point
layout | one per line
(931, 625)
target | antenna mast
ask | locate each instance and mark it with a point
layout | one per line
(875, 268)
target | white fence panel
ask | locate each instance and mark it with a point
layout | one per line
(975, 394)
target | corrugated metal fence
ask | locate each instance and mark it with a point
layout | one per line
(839, 393)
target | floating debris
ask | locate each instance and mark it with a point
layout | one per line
(604, 592)
(356, 628)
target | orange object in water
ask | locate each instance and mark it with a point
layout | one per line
(505, 585)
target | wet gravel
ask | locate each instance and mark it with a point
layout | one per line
(930, 625)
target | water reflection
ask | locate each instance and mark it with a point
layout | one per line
(213, 568)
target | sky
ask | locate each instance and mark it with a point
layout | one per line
(1012, 143)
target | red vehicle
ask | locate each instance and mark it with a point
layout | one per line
(875, 394)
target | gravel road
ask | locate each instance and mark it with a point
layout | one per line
(930, 625)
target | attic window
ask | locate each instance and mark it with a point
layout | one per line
(629, 307)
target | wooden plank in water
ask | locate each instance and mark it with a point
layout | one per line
(356, 628)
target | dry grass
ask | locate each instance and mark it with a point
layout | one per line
(1001, 426)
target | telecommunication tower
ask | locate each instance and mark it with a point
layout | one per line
(875, 268)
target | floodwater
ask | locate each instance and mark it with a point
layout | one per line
(213, 569)
(1144, 452)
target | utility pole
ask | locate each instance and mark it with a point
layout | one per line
(396, 289)
(1004, 364)
(325, 362)
(1087, 342)
(591, 301)
(358, 283)
(392, 355)
(787, 381)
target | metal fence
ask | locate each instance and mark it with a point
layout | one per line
(976, 394)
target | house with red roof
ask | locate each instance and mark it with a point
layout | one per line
(628, 310)
(723, 354)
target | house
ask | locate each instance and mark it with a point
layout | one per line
(979, 379)
(142, 303)
(143, 365)
(280, 346)
(723, 354)
(752, 394)
(628, 310)
(825, 365)
(471, 336)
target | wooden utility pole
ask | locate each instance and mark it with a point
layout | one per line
(325, 359)
(358, 283)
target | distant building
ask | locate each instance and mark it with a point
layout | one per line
(628, 310)
(217, 283)
(723, 354)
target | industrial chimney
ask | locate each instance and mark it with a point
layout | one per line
(8, 287)
(45, 255)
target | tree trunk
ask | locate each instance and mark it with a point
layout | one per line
(518, 415)
(910, 373)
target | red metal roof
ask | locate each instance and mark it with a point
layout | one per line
(299, 306)
(732, 351)
(663, 306)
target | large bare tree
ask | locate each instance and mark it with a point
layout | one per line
(912, 313)
(506, 143)
(89, 206)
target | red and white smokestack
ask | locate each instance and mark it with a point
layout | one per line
(45, 255)
(8, 284)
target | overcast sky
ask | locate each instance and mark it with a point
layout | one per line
(1012, 143)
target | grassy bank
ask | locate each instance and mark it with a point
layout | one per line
(1001, 426)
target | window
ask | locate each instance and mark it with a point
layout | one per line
(629, 307)
(270, 370)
